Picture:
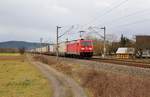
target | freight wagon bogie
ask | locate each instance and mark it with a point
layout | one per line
(86, 54)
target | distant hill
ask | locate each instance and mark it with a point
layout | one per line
(19, 44)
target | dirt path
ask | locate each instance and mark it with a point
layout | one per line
(63, 86)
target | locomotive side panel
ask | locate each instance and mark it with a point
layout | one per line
(73, 48)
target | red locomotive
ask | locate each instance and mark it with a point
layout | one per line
(82, 48)
(77, 48)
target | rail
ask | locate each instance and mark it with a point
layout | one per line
(123, 62)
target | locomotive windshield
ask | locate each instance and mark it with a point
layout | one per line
(86, 43)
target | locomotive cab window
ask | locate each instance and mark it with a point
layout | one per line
(86, 43)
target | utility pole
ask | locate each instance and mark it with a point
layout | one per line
(81, 34)
(104, 37)
(57, 37)
(104, 49)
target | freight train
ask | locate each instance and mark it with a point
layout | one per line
(78, 48)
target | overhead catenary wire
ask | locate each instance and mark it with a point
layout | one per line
(128, 25)
(75, 30)
(65, 32)
(133, 23)
(94, 31)
(127, 16)
(107, 12)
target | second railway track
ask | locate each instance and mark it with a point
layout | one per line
(123, 62)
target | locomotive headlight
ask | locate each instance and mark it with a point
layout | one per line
(82, 48)
(90, 48)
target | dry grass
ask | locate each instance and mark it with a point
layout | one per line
(63, 68)
(104, 84)
(45, 60)
(20, 79)
(56, 64)
(9, 54)
(6, 58)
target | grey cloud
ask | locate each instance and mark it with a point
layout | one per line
(32, 19)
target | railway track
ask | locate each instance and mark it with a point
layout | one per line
(123, 62)
(118, 62)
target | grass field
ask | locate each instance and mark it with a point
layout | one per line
(9, 54)
(20, 79)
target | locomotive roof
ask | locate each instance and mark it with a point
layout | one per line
(75, 40)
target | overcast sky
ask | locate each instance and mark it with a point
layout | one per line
(28, 20)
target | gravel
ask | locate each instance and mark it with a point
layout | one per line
(107, 67)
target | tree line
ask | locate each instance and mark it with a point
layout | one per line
(13, 50)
